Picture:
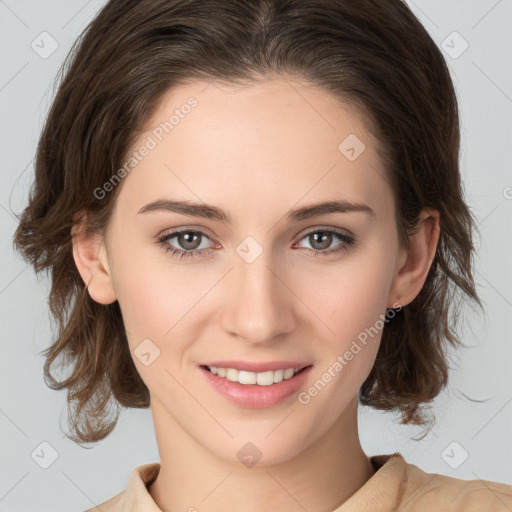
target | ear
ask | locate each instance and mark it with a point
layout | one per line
(90, 255)
(414, 264)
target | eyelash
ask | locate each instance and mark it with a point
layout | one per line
(182, 254)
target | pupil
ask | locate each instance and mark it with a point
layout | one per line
(326, 237)
(189, 244)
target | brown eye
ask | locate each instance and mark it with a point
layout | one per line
(186, 245)
(322, 239)
(190, 240)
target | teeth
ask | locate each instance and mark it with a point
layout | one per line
(261, 379)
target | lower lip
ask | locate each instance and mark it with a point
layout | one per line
(254, 396)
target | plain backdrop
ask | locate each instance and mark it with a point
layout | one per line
(471, 438)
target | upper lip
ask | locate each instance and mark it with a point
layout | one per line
(255, 367)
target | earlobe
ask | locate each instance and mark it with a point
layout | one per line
(416, 262)
(90, 256)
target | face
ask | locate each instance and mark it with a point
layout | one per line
(260, 283)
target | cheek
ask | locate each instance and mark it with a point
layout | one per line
(152, 309)
(148, 286)
(353, 306)
(147, 299)
(354, 309)
(160, 301)
(356, 296)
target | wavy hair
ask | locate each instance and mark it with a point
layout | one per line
(374, 54)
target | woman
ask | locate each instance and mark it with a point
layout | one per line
(253, 216)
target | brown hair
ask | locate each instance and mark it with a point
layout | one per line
(374, 54)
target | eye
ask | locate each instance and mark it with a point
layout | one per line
(322, 239)
(189, 240)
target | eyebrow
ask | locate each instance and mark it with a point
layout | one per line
(207, 211)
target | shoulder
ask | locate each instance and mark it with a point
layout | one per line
(115, 504)
(432, 491)
(136, 496)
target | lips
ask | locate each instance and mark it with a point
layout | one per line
(254, 395)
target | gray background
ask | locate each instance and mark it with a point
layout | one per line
(30, 413)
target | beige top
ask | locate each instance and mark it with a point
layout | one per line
(396, 485)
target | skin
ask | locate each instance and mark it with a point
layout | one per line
(255, 151)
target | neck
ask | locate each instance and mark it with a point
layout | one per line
(320, 477)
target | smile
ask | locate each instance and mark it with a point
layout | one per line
(260, 379)
(256, 389)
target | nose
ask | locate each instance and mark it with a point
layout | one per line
(259, 305)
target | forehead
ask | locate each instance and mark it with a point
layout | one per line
(276, 141)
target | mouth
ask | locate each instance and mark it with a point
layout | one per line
(265, 378)
(257, 390)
